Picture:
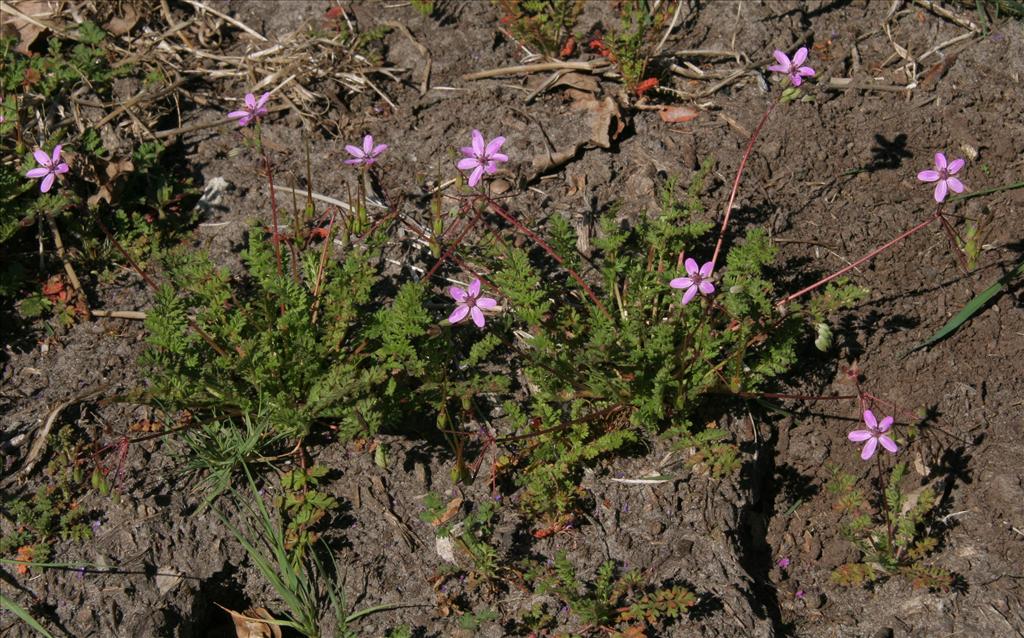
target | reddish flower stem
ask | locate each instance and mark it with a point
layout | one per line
(275, 238)
(500, 212)
(736, 182)
(871, 255)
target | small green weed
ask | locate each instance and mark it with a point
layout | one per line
(619, 603)
(543, 25)
(894, 539)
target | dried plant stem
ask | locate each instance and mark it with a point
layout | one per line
(736, 182)
(72, 276)
(871, 255)
(275, 237)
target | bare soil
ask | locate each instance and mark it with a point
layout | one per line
(720, 537)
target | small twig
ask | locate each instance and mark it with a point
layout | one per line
(943, 12)
(72, 276)
(39, 444)
(672, 25)
(850, 83)
(424, 52)
(120, 314)
(542, 67)
(223, 16)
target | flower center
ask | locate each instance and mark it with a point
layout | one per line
(943, 173)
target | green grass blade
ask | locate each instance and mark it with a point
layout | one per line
(972, 308)
(22, 613)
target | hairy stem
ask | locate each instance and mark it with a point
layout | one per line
(871, 255)
(736, 182)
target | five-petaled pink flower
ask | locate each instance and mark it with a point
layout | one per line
(875, 434)
(49, 167)
(366, 155)
(481, 158)
(793, 68)
(469, 302)
(254, 109)
(697, 279)
(943, 174)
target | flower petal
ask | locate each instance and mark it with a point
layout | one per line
(47, 182)
(778, 68)
(955, 185)
(55, 159)
(478, 143)
(885, 424)
(474, 288)
(782, 59)
(467, 163)
(458, 314)
(941, 190)
(800, 56)
(262, 101)
(794, 77)
(475, 176)
(869, 448)
(494, 146)
(486, 303)
(940, 161)
(354, 151)
(457, 293)
(681, 282)
(888, 444)
(467, 151)
(869, 418)
(705, 270)
(691, 266)
(367, 144)
(358, 160)
(706, 287)
(237, 114)
(245, 119)
(61, 168)
(859, 435)
(36, 173)
(250, 101)
(498, 157)
(690, 293)
(928, 176)
(490, 168)
(478, 316)
(955, 166)
(378, 149)
(806, 70)
(41, 157)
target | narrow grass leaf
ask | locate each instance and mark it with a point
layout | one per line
(22, 613)
(972, 308)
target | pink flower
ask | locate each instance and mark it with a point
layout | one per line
(253, 109)
(366, 155)
(783, 563)
(697, 279)
(943, 174)
(793, 67)
(481, 158)
(800, 594)
(874, 435)
(469, 302)
(49, 167)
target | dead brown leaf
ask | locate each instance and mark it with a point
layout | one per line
(36, 13)
(252, 623)
(675, 114)
(109, 181)
(122, 24)
(453, 508)
(605, 119)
